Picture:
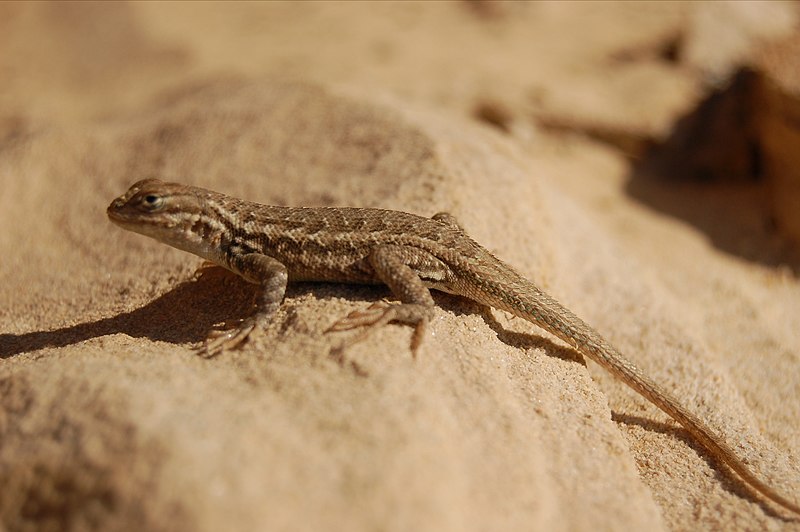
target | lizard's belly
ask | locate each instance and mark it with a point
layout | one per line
(332, 269)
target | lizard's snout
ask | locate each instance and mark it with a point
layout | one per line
(116, 210)
(112, 209)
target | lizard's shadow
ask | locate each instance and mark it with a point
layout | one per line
(526, 340)
(184, 314)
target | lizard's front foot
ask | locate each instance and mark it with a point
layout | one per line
(381, 313)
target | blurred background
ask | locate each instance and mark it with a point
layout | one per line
(698, 100)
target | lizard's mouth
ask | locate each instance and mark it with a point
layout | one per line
(111, 211)
(121, 214)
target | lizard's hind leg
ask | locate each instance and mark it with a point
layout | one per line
(398, 267)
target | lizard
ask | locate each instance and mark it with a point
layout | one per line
(273, 245)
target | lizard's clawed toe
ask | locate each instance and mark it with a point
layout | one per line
(220, 339)
(361, 318)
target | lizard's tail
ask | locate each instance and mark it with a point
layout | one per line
(535, 306)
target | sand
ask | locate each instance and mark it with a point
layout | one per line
(109, 421)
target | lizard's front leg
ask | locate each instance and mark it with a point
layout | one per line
(399, 267)
(271, 276)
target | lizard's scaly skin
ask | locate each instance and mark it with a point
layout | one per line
(271, 246)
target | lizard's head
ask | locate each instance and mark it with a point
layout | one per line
(169, 212)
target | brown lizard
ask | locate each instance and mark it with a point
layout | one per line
(270, 246)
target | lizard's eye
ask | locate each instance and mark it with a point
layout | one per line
(152, 202)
